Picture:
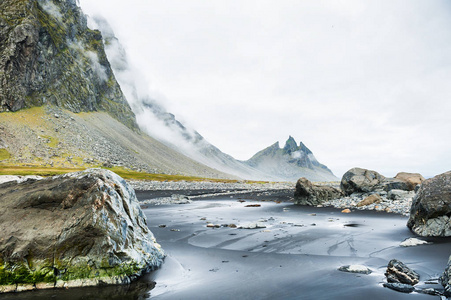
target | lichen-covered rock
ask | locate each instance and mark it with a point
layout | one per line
(308, 193)
(445, 279)
(412, 179)
(358, 180)
(79, 229)
(49, 55)
(397, 272)
(431, 207)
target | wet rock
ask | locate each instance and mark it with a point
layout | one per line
(399, 287)
(374, 198)
(412, 179)
(78, 229)
(255, 225)
(308, 193)
(431, 207)
(355, 269)
(445, 279)
(346, 211)
(397, 272)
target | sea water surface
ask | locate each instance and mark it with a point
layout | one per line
(295, 256)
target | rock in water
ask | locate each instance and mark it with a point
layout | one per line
(78, 229)
(431, 207)
(445, 279)
(397, 272)
(308, 193)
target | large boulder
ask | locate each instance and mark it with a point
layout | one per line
(412, 179)
(445, 279)
(431, 207)
(308, 193)
(79, 229)
(358, 180)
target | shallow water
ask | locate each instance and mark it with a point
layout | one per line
(295, 257)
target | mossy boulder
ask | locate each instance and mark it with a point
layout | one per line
(79, 229)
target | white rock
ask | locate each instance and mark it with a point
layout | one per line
(413, 242)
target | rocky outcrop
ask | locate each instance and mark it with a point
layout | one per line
(78, 229)
(49, 55)
(412, 179)
(445, 279)
(398, 272)
(431, 207)
(308, 193)
(290, 163)
(358, 180)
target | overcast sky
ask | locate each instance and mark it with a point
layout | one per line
(361, 83)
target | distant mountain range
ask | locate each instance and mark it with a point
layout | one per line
(48, 56)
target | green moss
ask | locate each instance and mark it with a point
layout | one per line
(4, 154)
(21, 273)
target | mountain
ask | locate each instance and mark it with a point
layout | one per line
(153, 118)
(290, 162)
(69, 98)
(60, 102)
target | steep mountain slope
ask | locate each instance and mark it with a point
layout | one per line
(290, 162)
(49, 55)
(53, 68)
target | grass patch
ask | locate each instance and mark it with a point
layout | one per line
(123, 172)
(4, 154)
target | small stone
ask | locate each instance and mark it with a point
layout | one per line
(346, 211)
(398, 272)
(355, 269)
(413, 242)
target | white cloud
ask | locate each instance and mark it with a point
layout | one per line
(361, 83)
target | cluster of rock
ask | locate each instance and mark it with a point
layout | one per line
(78, 229)
(362, 189)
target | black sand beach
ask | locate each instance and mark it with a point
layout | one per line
(296, 255)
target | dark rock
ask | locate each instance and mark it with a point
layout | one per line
(400, 287)
(445, 279)
(431, 207)
(389, 184)
(358, 180)
(308, 193)
(78, 229)
(412, 179)
(397, 272)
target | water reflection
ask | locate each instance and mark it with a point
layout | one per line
(137, 290)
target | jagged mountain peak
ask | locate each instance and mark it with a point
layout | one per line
(290, 163)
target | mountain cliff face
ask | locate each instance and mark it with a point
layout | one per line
(48, 55)
(290, 162)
